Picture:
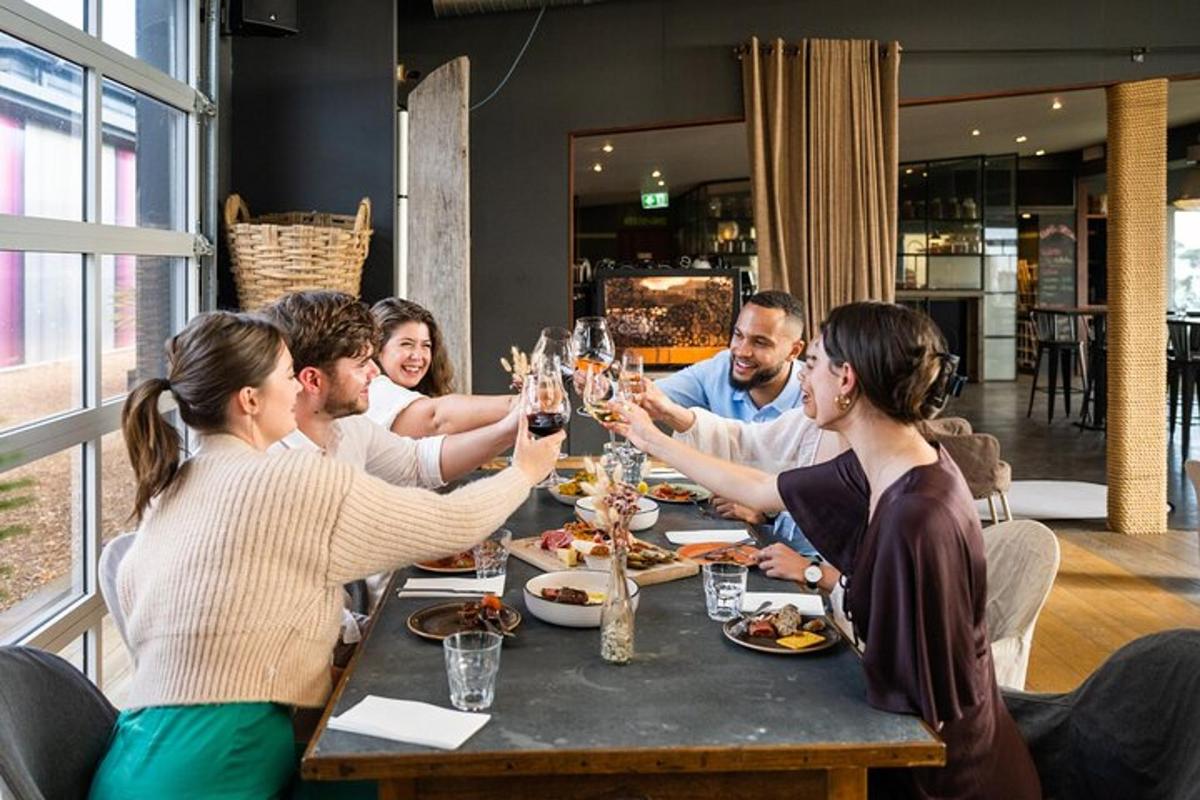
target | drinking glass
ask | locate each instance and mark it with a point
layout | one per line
(555, 343)
(544, 403)
(472, 661)
(592, 343)
(724, 585)
(633, 376)
(491, 555)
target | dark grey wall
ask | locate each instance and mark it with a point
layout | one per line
(630, 62)
(312, 119)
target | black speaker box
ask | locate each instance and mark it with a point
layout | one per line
(264, 17)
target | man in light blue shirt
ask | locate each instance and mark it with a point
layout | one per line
(754, 380)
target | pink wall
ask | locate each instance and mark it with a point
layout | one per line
(126, 266)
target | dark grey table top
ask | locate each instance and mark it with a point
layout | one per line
(688, 686)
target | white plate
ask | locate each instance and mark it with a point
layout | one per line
(646, 516)
(699, 493)
(567, 615)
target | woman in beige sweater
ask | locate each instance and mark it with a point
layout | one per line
(232, 590)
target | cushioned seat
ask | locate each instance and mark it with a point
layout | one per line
(1130, 731)
(1022, 561)
(54, 729)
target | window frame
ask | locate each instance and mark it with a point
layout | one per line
(82, 614)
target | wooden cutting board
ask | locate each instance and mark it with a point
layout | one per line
(530, 551)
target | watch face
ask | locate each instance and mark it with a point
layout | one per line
(812, 573)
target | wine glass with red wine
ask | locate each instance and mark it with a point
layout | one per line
(545, 405)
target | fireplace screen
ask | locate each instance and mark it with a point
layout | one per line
(671, 319)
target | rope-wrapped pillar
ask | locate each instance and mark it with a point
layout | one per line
(1137, 229)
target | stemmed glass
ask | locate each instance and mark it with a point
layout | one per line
(555, 343)
(544, 404)
(594, 350)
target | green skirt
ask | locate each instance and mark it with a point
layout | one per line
(228, 751)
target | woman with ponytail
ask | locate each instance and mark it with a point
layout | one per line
(896, 522)
(233, 588)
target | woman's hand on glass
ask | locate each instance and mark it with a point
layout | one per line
(536, 456)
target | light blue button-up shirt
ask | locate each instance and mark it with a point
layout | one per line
(705, 384)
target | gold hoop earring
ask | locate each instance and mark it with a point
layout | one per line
(844, 401)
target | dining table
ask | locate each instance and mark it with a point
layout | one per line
(694, 714)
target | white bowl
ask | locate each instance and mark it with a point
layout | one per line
(565, 499)
(645, 517)
(567, 615)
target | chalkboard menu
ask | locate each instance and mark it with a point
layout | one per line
(1056, 259)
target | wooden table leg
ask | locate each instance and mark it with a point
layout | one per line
(846, 784)
(398, 789)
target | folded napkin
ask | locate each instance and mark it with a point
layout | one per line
(808, 604)
(451, 587)
(409, 721)
(729, 535)
(663, 473)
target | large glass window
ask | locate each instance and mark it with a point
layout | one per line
(41, 132)
(85, 307)
(1186, 258)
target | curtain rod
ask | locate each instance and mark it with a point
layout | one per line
(1136, 54)
(789, 49)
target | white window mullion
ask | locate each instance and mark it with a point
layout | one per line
(44, 235)
(63, 39)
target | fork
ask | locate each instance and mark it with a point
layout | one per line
(704, 512)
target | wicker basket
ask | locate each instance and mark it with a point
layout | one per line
(277, 254)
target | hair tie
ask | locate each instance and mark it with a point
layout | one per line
(947, 384)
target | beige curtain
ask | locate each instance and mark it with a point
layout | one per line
(821, 120)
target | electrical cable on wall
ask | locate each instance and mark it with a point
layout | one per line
(516, 61)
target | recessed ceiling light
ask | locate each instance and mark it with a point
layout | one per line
(908, 171)
(1026, 215)
(975, 131)
(597, 168)
(1056, 105)
(608, 148)
(662, 183)
(1022, 138)
(1039, 152)
(656, 174)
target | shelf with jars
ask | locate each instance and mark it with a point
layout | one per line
(718, 217)
(957, 231)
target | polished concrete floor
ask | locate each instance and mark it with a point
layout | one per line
(1060, 450)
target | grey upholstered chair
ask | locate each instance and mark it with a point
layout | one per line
(1131, 730)
(54, 729)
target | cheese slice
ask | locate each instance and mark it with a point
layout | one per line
(595, 598)
(568, 555)
(799, 641)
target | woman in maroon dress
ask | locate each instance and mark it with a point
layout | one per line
(898, 528)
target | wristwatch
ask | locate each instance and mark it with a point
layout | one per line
(813, 574)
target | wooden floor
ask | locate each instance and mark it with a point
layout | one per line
(1097, 604)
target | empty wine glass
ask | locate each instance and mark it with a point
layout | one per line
(555, 343)
(544, 404)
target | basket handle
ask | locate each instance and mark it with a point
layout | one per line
(235, 209)
(362, 220)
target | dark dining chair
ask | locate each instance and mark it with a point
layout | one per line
(1058, 336)
(1131, 730)
(1183, 370)
(54, 729)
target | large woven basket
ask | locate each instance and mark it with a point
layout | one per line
(277, 254)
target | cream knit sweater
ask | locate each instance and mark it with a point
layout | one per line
(232, 591)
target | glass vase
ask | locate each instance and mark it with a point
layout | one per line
(616, 615)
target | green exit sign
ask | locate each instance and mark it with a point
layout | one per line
(654, 199)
